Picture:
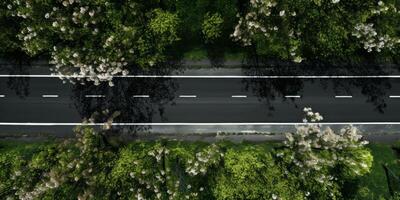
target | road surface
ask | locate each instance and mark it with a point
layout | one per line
(45, 100)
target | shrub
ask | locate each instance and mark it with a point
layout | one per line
(212, 27)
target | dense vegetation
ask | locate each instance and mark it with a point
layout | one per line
(99, 38)
(313, 163)
(89, 168)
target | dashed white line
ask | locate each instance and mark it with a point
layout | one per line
(292, 96)
(141, 96)
(95, 96)
(2, 96)
(394, 97)
(187, 96)
(50, 96)
(239, 96)
(343, 97)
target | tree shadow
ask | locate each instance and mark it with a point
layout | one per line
(375, 90)
(17, 65)
(120, 98)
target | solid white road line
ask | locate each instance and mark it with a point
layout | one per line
(50, 96)
(343, 97)
(187, 96)
(95, 96)
(239, 96)
(394, 97)
(194, 124)
(203, 77)
(292, 96)
(141, 96)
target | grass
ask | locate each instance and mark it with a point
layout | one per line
(195, 54)
(200, 53)
(374, 185)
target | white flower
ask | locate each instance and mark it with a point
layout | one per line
(298, 59)
(47, 15)
(91, 13)
(82, 10)
(335, 1)
(282, 13)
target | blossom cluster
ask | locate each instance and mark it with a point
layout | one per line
(250, 24)
(203, 160)
(85, 41)
(279, 24)
(309, 140)
(160, 181)
(51, 181)
(371, 40)
(259, 21)
(369, 36)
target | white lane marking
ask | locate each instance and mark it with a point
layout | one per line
(343, 97)
(193, 124)
(2, 96)
(50, 96)
(141, 96)
(95, 96)
(239, 96)
(394, 97)
(292, 96)
(187, 96)
(201, 77)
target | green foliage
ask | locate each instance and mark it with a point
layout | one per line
(96, 38)
(212, 26)
(323, 30)
(193, 14)
(89, 168)
(393, 181)
(10, 45)
(251, 173)
(374, 185)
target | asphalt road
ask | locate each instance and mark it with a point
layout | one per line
(200, 100)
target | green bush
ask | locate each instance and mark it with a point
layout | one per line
(89, 168)
(212, 27)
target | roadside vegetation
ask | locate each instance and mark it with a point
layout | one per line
(94, 40)
(99, 39)
(312, 163)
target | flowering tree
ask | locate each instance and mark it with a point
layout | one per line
(314, 155)
(318, 29)
(94, 40)
(312, 164)
(153, 172)
(10, 46)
